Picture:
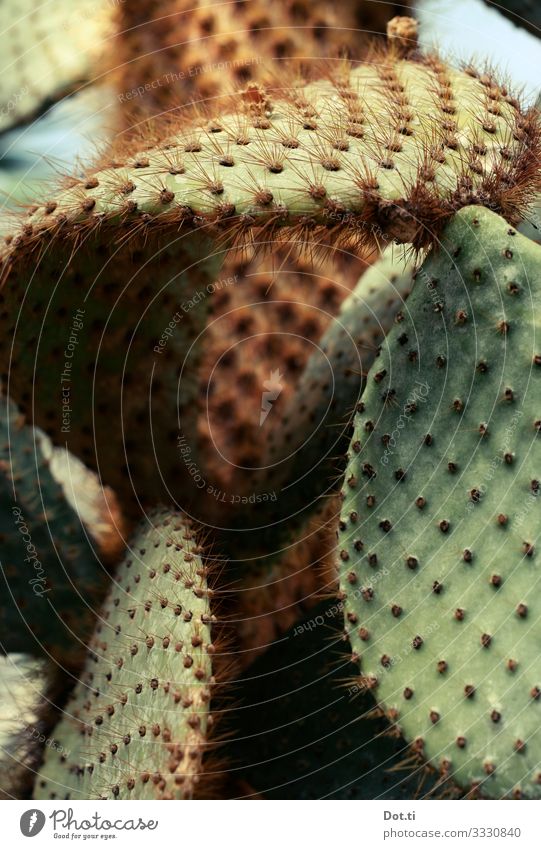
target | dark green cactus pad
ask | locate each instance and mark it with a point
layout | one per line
(440, 521)
(523, 13)
(136, 725)
(52, 577)
(298, 732)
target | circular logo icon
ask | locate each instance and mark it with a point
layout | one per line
(32, 822)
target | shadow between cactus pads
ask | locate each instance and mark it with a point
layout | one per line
(440, 519)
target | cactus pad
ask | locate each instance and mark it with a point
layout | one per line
(300, 733)
(439, 530)
(136, 725)
(307, 448)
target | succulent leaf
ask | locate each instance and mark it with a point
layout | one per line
(439, 532)
(136, 725)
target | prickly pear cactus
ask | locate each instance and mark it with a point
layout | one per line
(136, 726)
(439, 530)
(105, 324)
(523, 13)
(51, 573)
(199, 50)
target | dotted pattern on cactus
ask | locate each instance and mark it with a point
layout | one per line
(439, 526)
(389, 149)
(159, 314)
(136, 726)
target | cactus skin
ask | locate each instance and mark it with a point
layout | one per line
(297, 733)
(391, 149)
(267, 321)
(439, 531)
(308, 446)
(271, 592)
(46, 603)
(62, 41)
(83, 320)
(136, 725)
(268, 595)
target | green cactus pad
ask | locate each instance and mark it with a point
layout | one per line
(439, 528)
(136, 725)
(51, 576)
(98, 349)
(391, 147)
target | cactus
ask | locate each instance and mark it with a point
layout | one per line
(266, 319)
(351, 182)
(102, 327)
(439, 526)
(51, 573)
(63, 42)
(272, 591)
(198, 50)
(136, 726)
(106, 288)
